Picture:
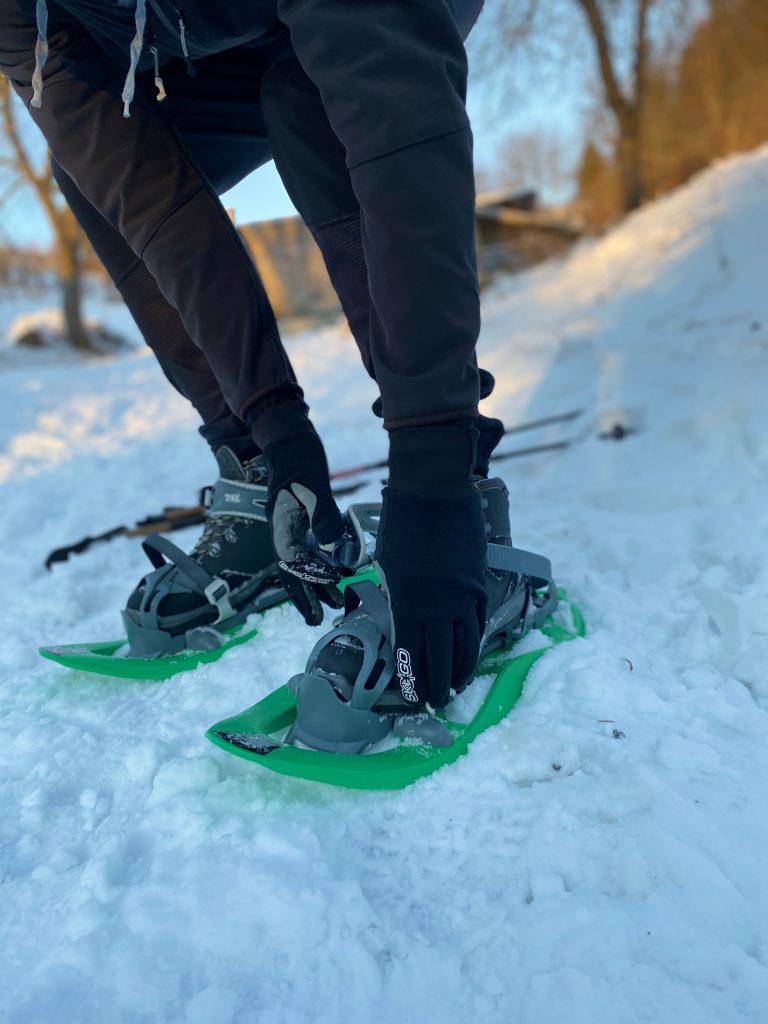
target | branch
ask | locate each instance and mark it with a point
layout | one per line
(10, 190)
(641, 51)
(24, 167)
(521, 29)
(22, 160)
(500, 34)
(616, 99)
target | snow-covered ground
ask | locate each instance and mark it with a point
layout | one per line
(599, 857)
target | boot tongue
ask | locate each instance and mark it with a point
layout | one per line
(249, 469)
(230, 466)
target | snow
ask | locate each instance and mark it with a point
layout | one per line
(596, 857)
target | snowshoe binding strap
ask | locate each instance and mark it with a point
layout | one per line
(344, 701)
(152, 634)
(363, 519)
(162, 551)
(537, 568)
(334, 712)
(352, 550)
(341, 696)
(531, 596)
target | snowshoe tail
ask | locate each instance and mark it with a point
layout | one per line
(111, 658)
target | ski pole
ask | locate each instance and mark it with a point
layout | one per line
(545, 421)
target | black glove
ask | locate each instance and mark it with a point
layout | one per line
(431, 553)
(308, 530)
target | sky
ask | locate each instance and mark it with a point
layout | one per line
(262, 196)
(556, 109)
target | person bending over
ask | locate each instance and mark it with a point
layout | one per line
(150, 111)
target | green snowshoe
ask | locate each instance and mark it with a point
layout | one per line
(192, 607)
(178, 618)
(332, 722)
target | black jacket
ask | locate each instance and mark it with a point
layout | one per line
(209, 27)
(392, 77)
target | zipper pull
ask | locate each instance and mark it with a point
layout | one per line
(161, 93)
(191, 69)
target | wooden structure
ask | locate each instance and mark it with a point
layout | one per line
(512, 233)
(291, 267)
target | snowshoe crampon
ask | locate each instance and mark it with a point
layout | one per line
(341, 723)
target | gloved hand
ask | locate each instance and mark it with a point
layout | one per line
(431, 553)
(308, 530)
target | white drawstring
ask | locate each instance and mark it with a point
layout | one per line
(136, 46)
(41, 53)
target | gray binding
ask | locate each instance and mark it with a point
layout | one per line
(537, 568)
(215, 590)
(239, 492)
(336, 716)
(147, 638)
(363, 518)
(370, 597)
(344, 722)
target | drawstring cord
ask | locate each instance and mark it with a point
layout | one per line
(129, 89)
(137, 44)
(191, 69)
(41, 52)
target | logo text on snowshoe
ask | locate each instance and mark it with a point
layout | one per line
(405, 676)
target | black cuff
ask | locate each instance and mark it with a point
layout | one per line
(490, 432)
(487, 383)
(231, 433)
(279, 422)
(433, 460)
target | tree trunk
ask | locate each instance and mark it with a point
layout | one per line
(71, 290)
(62, 223)
(630, 160)
(628, 110)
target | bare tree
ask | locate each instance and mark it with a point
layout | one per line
(628, 104)
(619, 31)
(21, 169)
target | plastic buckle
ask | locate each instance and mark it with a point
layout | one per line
(217, 592)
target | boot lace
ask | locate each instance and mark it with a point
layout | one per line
(218, 531)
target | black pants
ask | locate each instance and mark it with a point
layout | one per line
(408, 210)
(222, 116)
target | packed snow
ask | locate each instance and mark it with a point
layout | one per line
(599, 856)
